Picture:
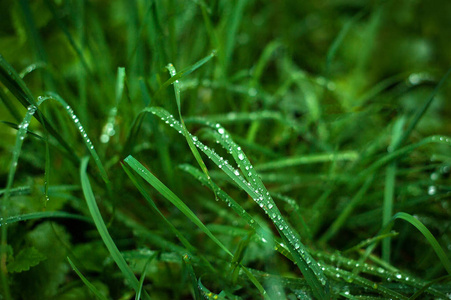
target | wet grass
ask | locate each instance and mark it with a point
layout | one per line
(286, 159)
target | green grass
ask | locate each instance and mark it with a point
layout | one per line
(301, 150)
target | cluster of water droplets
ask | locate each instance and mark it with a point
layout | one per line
(435, 176)
(340, 263)
(109, 129)
(253, 185)
(80, 128)
(21, 134)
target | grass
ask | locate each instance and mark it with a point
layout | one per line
(300, 152)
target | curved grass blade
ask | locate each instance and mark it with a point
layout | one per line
(103, 231)
(143, 275)
(91, 287)
(255, 188)
(192, 275)
(207, 293)
(185, 72)
(152, 204)
(169, 195)
(14, 83)
(423, 230)
(83, 134)
(193, 148)
(350, 277)
(256, 283)
(265, 235)
(429, 237)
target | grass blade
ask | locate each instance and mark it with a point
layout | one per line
(429, 237)
(169, 195)
(91, 287)
(193, 148)
(143, 276)
(44, 215)
(192, 275)
(257, 191)
(103, 231)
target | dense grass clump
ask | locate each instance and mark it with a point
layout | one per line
(230, 149)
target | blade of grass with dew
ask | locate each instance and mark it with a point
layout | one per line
(193, 148)
(255, 188)
(43, 215)
(102, 229)
(296, 213)
(207, 293)
(171, 197)
(350, 277)
(384, 272)
(261, 231)
(90, 286)
(192, 275)
(84, 135)
(14, 83)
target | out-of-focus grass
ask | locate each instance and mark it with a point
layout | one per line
(308, 129)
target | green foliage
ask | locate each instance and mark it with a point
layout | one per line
(25, 259)
(314, 159)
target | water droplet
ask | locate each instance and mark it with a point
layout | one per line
(434, 176)
(432, 190)
(252, 92)
(221, 130)
(240, 156)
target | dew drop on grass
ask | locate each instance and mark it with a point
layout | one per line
(221, 130)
